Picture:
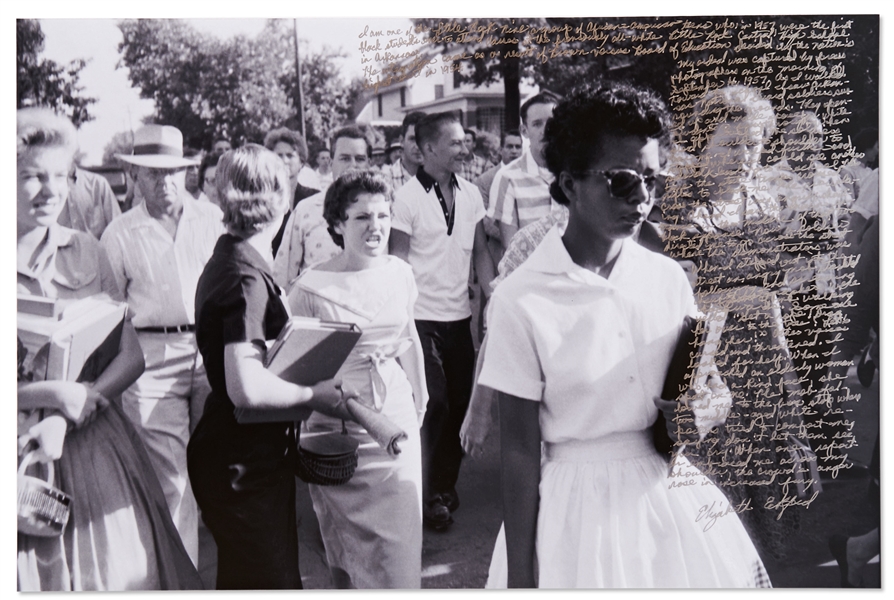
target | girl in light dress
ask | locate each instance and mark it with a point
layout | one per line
(580, 337)
(119, 535)
(371, 526)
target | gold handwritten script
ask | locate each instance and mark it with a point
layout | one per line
(788, 300)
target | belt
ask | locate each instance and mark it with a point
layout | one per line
(174, 329)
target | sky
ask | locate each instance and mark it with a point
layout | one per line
(119, 107)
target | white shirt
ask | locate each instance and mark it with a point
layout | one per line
(309, 178)
(594, 351)
(440, 262)
(158, 274)
(306, 241)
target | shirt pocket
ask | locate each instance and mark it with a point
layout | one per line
(75, 279)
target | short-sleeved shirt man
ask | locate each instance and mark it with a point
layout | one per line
(593, 350)
(305, 242)
(396, 174)
(91, 204)
(441, 256)
(519, 194)
(474, 167)
(156, 273)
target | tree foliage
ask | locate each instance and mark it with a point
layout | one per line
(239, 88)
(44, 82)
(561, 73)
(121, 143)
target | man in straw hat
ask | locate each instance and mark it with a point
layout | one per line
(158, 250)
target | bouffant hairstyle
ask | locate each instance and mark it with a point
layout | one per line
(292, 138)
(344, 191)
(253, 186)
(42, 128)
(573, 135)
(731, 104)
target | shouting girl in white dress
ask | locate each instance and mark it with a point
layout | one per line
(371, 526)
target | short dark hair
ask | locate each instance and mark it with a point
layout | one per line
(544, 97)
(288, 136)
(209, 160)
(411, 119)
(507, 133)
(352, 132)
(344, 191)
(471, 132)
(429, 128)
(579, 123)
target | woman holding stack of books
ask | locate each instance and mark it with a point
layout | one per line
(242, 474)
(119, 534)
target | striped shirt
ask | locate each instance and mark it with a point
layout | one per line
(156, 273)
(519, 194)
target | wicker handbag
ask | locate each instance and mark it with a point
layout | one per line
(43, 509)
(328, 458)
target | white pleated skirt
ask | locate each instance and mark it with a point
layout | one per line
(612, 517)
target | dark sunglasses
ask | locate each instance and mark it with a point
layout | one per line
(623, 182)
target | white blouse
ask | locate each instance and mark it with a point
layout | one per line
(595, 351)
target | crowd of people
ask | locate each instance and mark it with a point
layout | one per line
(593, 233)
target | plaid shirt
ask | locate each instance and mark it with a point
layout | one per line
(396, 175)
(475, 168)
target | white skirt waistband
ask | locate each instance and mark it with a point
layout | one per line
(614, 446)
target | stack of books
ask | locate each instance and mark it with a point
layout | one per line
(69, 340)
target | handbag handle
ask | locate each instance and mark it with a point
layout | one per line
(30, 459)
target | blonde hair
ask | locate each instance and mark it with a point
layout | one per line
(43, 128)
(253, 187)
(733, 103)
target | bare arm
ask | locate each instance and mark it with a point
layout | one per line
(520, 447)
(251, 385)
(75, 401)
(399, 245)
(484, 264)
(506, 233)
(124, 368)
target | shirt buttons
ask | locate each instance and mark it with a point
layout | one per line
(631, 379)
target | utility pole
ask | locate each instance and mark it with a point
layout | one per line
(299, 94)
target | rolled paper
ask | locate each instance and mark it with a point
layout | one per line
(380, 428)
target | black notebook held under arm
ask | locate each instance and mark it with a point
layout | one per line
(306, 352)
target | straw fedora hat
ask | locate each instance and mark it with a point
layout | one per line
(158, 147)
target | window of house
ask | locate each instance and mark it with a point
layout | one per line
(403, 97)
(379, 96)
(439, 91)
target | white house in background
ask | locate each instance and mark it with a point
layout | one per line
(434, 87)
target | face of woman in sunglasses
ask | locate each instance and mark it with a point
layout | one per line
(627, 167)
